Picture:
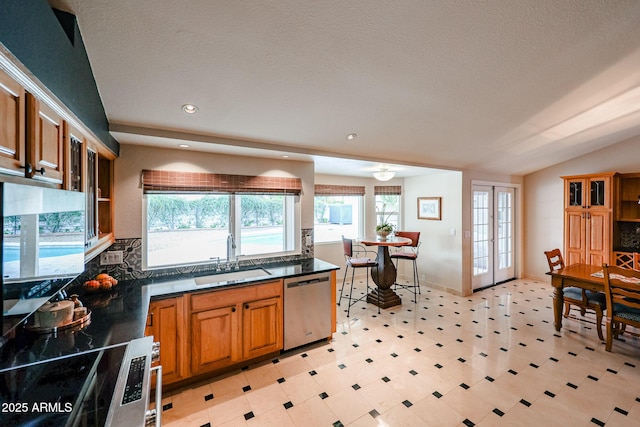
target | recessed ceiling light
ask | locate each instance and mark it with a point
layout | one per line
(351, 136)
(190, 108)
(184, 146)
(284, 156)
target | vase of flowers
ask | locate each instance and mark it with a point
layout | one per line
(383, 230)
(384, 227)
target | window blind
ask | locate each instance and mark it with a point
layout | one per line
(387, 190)
(338, 190)
(159, 181)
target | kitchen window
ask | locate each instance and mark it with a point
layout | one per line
(388, 200)
(185, 225)
(337, 212)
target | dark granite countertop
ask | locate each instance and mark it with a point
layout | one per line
(119, 315)
(55, 368)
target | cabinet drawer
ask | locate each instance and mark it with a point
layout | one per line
(207, 300)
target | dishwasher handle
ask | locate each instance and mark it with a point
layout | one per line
(297, 283)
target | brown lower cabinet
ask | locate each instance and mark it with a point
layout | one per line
(225, 327)
(165, 322)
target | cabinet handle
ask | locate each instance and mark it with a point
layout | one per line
(150, 323)
(246, 306)
(233, 309)
(28, 168)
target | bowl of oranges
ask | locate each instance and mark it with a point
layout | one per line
(102, 282)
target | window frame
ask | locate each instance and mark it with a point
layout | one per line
(291, 233)
(360, 227)
(398, 213)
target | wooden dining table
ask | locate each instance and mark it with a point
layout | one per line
(384, 274)
(576, 275)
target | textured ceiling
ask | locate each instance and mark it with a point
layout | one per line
(507, 86)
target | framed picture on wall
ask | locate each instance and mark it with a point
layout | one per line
(430, 208)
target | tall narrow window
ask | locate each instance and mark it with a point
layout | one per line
(388, 205)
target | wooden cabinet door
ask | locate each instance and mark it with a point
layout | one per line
(215, 341)
(12, 126)
(75, 159)
(165, 322)
(575, 236)
(262, 327)
(598, 237)
(45, 149)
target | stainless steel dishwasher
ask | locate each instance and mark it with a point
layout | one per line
(307, 309)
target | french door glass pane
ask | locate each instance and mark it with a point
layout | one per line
(505, 229)
(480, 232)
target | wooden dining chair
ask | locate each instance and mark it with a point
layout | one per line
(409, 253)
(636, 260)
(622, 290)
(582, 299)
(356, 257)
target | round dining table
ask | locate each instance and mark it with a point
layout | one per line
(384, 274)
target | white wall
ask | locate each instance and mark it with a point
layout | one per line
(543, 199)
(440, 257)
(134, 158)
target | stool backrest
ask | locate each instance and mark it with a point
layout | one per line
(413, 235)
(347, 245)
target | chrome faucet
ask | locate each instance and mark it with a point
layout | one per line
(231, 248)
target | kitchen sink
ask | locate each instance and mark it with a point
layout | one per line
(232, 276)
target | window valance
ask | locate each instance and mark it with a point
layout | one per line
(338, 190)
(159, 181)
(387, 190)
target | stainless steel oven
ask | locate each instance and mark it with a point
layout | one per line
(129, 395)
(130, 401)
(106, 387)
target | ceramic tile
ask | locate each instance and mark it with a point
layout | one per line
(348, 405)
(490, 359)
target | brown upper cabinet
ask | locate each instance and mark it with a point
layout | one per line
(75, 158)
(629, 197)
(99, 189)
(38, 141)
(45, 137)
(31, 135)
(588, 218)
(12, 129)
(626, 227)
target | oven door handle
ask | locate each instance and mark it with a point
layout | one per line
(154, 416)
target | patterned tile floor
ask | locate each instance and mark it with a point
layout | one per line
(493, 358)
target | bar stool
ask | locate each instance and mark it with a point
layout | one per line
(358, 258)
(409, 253)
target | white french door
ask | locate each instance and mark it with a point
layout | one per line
(493, 235)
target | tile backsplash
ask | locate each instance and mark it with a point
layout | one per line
(131, 267)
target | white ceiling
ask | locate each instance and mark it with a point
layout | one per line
(505, 86)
